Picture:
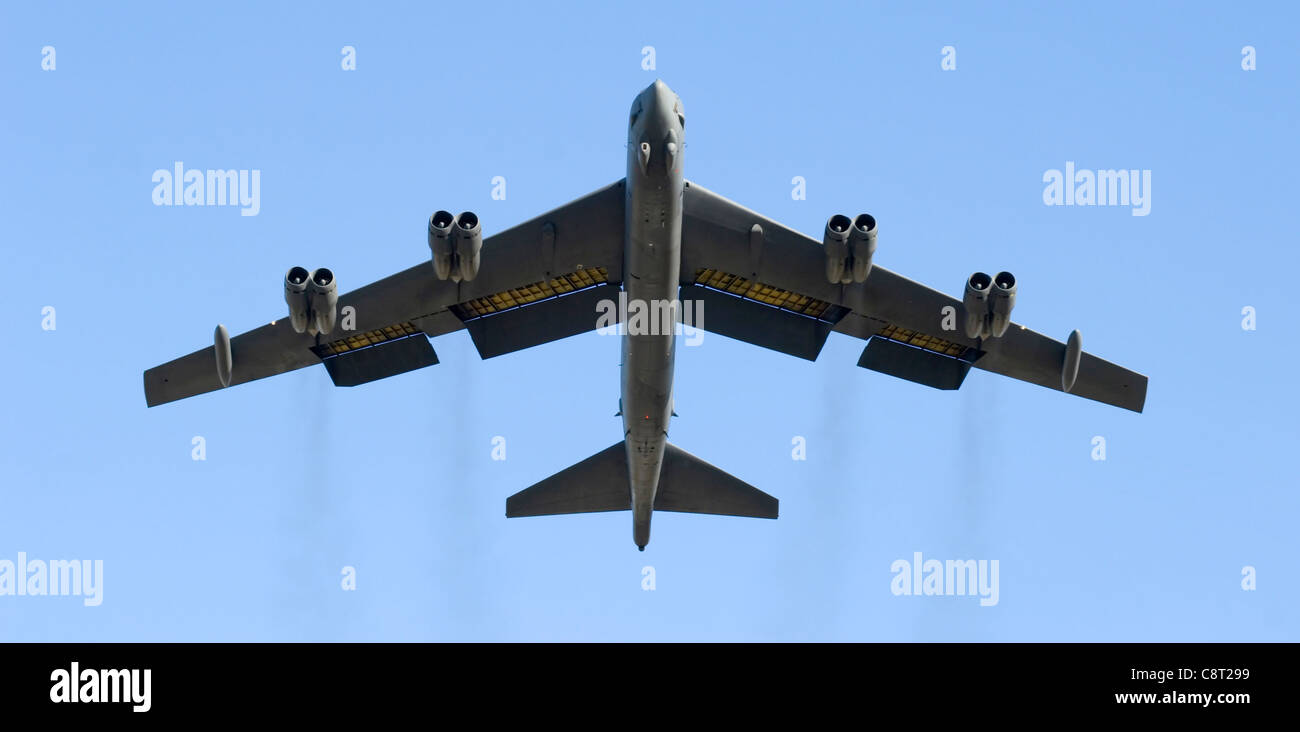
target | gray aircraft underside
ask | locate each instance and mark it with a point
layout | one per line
(653, 237)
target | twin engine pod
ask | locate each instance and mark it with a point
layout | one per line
(849, 245)
(313, 300)
(988, 302)
(455, 243)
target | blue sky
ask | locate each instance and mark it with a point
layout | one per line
(396, 479)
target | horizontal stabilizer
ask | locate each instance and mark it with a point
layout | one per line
(598, 483)
(918, 365)
(687, 484)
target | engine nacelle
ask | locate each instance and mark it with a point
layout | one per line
(469, 242)
(1002, 299)
(296, 297)
(835, 244)
(440, 243)
(862, 245)
(976, 303)
(324, 300)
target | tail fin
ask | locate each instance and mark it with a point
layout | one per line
(598, 483)
(687, 484)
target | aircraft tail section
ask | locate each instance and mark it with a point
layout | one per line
(687, 484)
(598, 483)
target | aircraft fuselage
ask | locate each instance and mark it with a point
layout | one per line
(652, 260)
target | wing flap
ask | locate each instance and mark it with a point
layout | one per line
(390, 358)
(917, 365)
(539, 322)
(754, 322)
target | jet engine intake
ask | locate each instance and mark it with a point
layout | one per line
(440, 243)
(469, 242)
(835, 243)
(862, 245)
(1001, 301)
(976, 303)
(324, 300)
(988, 302)
(296, 297)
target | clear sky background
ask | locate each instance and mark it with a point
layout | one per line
(396, 479)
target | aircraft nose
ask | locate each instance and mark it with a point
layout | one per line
(659, 95)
